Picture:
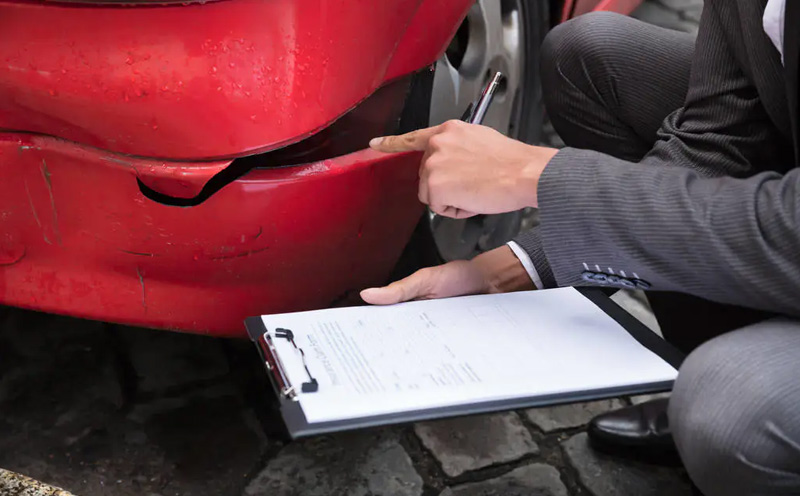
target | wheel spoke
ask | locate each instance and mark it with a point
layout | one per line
(453, 93)
(493, 22)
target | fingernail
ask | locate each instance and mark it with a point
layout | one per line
(368, 295)
(374, 142)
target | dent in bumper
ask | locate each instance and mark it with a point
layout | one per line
(79, 238)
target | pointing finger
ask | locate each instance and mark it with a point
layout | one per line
(409, 142)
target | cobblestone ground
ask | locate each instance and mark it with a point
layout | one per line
(102, 410)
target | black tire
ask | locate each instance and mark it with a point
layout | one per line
(537, 21)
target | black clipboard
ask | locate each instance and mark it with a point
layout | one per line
(297, 426)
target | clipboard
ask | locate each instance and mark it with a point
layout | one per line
(297, 424)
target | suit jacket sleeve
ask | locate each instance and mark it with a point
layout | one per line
(684, 218)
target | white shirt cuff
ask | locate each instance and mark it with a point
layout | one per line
(525, 259)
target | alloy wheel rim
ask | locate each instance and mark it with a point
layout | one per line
(490, 39)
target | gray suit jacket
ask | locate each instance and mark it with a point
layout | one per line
(714, 209)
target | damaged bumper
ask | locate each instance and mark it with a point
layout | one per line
(78, 236)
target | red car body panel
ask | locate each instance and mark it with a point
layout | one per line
(277, 240)
(91, 96)
(206, 81)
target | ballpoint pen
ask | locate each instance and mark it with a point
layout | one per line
(477, 110)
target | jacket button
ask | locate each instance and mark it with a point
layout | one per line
(627, 283)
(641, 284)
(588, 276)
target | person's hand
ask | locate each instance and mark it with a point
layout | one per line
(496, 271)
(469, 169)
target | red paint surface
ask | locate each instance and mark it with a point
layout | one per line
(205, 81)
(79, 238)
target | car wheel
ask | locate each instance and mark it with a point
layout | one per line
(496, 35)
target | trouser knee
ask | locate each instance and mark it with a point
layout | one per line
(575, 46)
(734, 416)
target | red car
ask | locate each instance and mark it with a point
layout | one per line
(185, 165)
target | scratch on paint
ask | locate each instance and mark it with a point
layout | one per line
(46, 175)
(35, 215)
(141, 283)
(17, 260)
(240, 255)
(138, 253)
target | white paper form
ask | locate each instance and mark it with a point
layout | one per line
(429, 354)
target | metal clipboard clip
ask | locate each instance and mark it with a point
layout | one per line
(276, 369)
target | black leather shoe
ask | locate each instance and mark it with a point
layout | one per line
(639, 432)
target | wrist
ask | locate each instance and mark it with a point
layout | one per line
(531, 173)
(502, 271)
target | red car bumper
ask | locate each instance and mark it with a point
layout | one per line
(78, 237)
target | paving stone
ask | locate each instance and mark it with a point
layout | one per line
(356, 464)
(604, 476)
(637, 400)
(204, 443)
(469, 443)
(569, 416)
(12, 484)
(166, 361)
(531, 480)
(636, 304)
(56, 371)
